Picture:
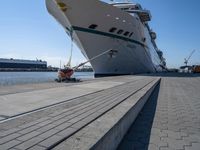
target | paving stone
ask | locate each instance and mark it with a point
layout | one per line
(29, 143)
(79, 125)
(91, 117)
(36, 147)
(9, 138)
(45, 128)
(63, 126)
(169, 122)
(152, 147)
(195, 146)
(172, 116)
(9, 144)
(66, 132)
(44, 123)
(175, 144)
(50, 141)
(173, 135)
(165, 148)
(75, 119)
(26, 125)
(28, 136)
(7, 132)
(28, 130)
(78, 143)
(158, 132)
(60, 121)
(48, 133)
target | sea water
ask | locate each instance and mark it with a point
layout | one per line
(13, 78)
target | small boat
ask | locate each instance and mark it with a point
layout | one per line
(65, 74)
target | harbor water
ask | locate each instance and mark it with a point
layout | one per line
(13, 78)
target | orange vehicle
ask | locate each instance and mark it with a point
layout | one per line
(66, 73)
(196, 69)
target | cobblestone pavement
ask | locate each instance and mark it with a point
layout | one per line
(170, 120)
(50, 130)
(19, 99)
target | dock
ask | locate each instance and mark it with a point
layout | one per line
(140, 112)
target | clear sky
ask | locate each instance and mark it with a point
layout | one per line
(27, 31)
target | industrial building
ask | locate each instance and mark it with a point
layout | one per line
(22, 64)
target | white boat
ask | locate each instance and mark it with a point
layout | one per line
(97, 27)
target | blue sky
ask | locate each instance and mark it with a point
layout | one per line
(27, 31)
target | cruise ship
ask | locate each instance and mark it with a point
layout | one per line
(121, 29)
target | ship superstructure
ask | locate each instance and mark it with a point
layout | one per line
(97, 27)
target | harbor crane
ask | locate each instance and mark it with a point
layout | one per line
(186, 60)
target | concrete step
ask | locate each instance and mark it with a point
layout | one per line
(171, 117)
(107, 131)
(20, 101)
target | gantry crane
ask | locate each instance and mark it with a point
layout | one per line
(187, 59)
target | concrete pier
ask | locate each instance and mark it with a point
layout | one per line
(170, 120)
(19, 99)
(105, 113)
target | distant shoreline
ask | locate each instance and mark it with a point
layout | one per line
(38, 70)
(28, 70)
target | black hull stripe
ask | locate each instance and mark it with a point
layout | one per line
(106, 34)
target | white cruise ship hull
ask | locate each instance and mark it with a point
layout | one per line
(133, 55)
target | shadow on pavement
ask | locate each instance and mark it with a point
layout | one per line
(137, 138)
(168, 74)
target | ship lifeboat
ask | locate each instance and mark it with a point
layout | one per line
(144, 15)
(160, 53)
(153, 35)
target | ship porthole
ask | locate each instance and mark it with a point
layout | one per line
(93, 26)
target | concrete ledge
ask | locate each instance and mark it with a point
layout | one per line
(107, 131)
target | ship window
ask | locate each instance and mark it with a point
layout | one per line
(120, 31)
(124, 8)
(126, 33)
(131, 34)
(137, 7)
(113, 29)
(93, 26)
